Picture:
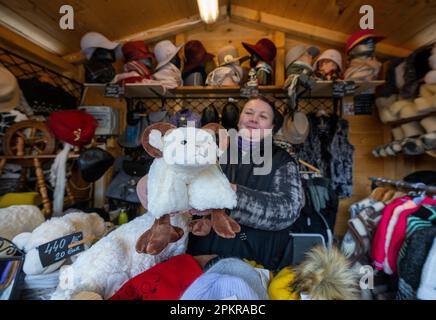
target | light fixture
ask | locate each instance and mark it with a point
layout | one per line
(209, 10)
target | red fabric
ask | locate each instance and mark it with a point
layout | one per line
(75, 127)
(165, 281)
(135, 50)
(195, 54)
(264, 48)
(399, 234)
(379, 240)
(359, 36)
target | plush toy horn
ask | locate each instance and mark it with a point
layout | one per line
(163, 127)
(223, 136)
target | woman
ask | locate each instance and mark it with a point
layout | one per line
(268, 204)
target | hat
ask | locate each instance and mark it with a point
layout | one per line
(165, 51)
(295, 128)
(429, 124)
(228, 55)
(358, 37)
(330, 54)
(412, 129)
(429, 141)
(228, 278)
(136, 50)
(93, 163)
(398, 133)
(230, 116)
(195, 54)
(264, 48)
(9, 90)
(238, 268)
(408, 110)
(424, 105)
(93, 40)
(296, 52)
(75, 127)
(164, 281)
(427, 90)
(430, 77)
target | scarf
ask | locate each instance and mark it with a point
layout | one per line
(58, 179)
(363, 69)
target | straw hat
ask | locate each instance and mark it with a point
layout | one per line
(9, 90)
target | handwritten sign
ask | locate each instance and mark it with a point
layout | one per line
(60, 249)
(114, 91)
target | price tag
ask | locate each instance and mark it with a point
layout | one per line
(114, 91)
(60, 249)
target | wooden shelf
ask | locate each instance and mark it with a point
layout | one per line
(41, 157)
(417, 118)
(322, 89)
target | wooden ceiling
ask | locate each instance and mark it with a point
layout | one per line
(408, 24)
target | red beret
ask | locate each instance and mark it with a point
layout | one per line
(75, 127)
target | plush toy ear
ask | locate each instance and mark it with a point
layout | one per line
(223, 136)
(152, 138)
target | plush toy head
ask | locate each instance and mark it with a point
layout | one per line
(187, 147)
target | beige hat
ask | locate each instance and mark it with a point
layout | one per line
(387, 116)
(398, 133)
(427, 90)
(408, 111)
(165, 51)
(295, 129)
(9, 90)
(397, 106)
(424, 105)
(412, 129)
(430, 77)
(228, 55)
(385, 102)
(296, 52)
(330, 54)
(429, 124)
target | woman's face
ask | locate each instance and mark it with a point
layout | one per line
(256, 117)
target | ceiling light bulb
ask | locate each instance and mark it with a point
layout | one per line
(209, 10)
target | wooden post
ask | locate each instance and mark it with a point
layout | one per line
(42, 187)
(280, 41)
(2, 165)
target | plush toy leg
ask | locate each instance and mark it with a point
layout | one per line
(161, 234)
(200, 227)
(223, 225)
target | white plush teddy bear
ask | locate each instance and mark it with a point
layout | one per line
(91, 225)
(185, 175)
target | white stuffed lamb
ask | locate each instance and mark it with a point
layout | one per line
(91, 225)
(18, 219)
(112, 261)
(185, 175)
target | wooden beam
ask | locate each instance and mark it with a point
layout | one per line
(27, 49)
(280, 42)
(307, 31)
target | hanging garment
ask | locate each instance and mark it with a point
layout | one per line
(378, 252)
(427, 288)
(424, 217)
(327, 148)
(410, 268)
(319, 213)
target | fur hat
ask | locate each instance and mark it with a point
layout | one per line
(429, 124)
(430, 77)
(326, 275)
(412, 129)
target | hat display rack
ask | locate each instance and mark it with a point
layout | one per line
(23, 68)
(400, 184)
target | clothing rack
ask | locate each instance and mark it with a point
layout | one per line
(406, 185)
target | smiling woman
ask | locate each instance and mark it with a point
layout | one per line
(267, 204)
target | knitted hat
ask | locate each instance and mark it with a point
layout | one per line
(238, 268)
(165, 281)
(215, 286)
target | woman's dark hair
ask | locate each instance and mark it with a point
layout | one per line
(271, 101)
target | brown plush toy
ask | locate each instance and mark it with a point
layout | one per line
(185, 177)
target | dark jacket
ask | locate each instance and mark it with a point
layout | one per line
(267, 206)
